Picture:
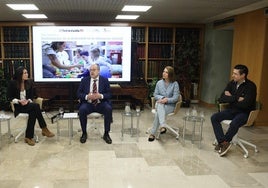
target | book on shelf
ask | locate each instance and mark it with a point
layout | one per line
(141, 51)
(163, 35)
(160, 51)
(16, 51)
(11, 65)
(155, 68)
(138, 34)
(16, 34)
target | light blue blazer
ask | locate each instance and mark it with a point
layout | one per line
(171, 92)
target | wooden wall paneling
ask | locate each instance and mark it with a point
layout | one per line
(262, 117)
(249, 34)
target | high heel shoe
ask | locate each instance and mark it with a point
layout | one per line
(151, 138)
(163, 130)
(47, 133)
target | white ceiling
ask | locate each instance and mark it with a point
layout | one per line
(162, 11)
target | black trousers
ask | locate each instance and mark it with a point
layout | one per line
(34, 111)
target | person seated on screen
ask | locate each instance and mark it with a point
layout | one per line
(21, 92)
(85, 69)
(63, 57)
(166, 95)
(95, 58)
(94, 94)
(85, 56)
(105, 63)
(50, 61)
(78, 59)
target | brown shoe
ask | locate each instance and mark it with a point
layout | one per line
(29, 141)
(225, 146)
(217, 148)
(47, 133)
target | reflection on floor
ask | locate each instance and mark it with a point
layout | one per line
(126, 163)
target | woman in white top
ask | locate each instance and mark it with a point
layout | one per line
(21, 93)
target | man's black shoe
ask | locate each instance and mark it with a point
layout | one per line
(83, 138)
(107, 138)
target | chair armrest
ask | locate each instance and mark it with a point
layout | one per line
(223, 106)
(153, 102)
(12, 106)
(39, 100)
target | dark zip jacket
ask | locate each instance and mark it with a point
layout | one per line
(247, 90)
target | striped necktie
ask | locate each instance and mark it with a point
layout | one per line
(94, 91)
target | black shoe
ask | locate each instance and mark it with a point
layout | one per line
(163, 130)
(107, 138)
(151, 138)
(83, 138)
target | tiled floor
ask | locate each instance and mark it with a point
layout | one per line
(164, 163)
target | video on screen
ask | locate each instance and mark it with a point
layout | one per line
(66, 53)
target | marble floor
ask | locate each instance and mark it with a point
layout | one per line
(126, 163)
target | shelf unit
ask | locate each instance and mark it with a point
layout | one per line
(16, 48)
(179, 46)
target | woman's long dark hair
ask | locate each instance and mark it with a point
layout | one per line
(18, 77)
(55, 45)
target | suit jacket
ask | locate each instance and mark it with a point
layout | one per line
(14, 93)
(84, 88)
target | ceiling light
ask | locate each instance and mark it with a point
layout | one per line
(22, 6)
(135, 8)
(127, 17)
(34, 15)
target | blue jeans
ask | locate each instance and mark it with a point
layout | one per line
(238, 120)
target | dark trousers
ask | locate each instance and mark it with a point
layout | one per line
(238, 120)
(104, 108)
(34, 111)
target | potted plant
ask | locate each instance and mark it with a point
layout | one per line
(151, 88)
(187, 62)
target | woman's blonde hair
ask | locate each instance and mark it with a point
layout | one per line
(171, 75)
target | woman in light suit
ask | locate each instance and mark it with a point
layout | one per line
(166, 95)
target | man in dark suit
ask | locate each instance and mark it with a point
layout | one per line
(94, 94)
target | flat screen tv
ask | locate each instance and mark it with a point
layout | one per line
(110, 46)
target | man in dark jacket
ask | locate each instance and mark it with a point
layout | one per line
(240, 93)
(94, 94)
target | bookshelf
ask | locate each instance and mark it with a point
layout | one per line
(16, 49)
(174, 45)
(160, 50)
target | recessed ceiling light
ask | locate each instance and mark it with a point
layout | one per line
(135, 8)
(34, 15)
(127, 17)
(22, 6)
